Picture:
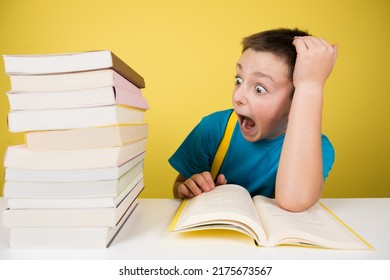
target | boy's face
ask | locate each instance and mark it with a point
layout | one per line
(262, 95)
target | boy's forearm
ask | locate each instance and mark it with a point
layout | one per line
(299, 179)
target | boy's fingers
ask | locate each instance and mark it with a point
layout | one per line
(184, 192)
(193, 185)
(207, 176)
(221, 180)
(299, 43)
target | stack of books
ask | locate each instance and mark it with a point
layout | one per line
(76, 179)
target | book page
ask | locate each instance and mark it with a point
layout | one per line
(312, 227)
(226, 204)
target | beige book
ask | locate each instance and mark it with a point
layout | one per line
(86, 138)
(31, 120)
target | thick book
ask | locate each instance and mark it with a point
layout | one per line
(71, 217)
(31, 120)
(92, 97)
(26, 194)
(86, 138)
(22, 158)
(109, 173)
(69, 81)
(231, 207)
(37, 64)
(58, 202)
(67, 237)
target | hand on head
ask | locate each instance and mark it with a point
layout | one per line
(315, 60)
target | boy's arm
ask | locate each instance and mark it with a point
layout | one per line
(195, 185)
(300, 179)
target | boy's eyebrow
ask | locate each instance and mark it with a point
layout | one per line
(257, 73)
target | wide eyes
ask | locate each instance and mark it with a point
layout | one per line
(259, 88)
(237, 81)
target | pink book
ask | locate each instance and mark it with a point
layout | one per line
(130, 98)
(121, 82)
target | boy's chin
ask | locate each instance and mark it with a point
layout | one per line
(250, 137)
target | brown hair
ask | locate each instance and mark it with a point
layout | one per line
(277, 41)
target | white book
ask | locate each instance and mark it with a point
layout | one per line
(38, 64)
(67, 237)
(86, 138)
(30, 120)
(74, 202)
(110, 173)
(91, 97)
(71, 217)
(231, 207)
(69, 81)
(20, 157)
(32, 191)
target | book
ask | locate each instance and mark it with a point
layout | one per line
(231, 207)
(19, 156)
(69, 81)
(58, 202)
(30, 192)
(71, 217)
(30, 120)
(91, 97)
(67, 237)
(36, 64)
(111, 173)
(86, 138)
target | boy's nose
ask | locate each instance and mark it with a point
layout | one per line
(239, 96)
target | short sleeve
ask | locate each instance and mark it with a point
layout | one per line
(328, 156)
(196, 153)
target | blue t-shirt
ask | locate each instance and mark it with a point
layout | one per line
(252, 165)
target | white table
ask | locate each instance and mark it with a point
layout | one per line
(145, 236)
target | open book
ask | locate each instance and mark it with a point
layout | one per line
(232, 207)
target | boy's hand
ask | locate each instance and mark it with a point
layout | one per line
(315, 61)
(198, 183)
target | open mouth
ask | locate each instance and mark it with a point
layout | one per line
(246, 124)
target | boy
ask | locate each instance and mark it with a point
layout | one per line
(277, 148)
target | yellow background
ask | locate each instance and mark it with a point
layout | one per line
(187, 50)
